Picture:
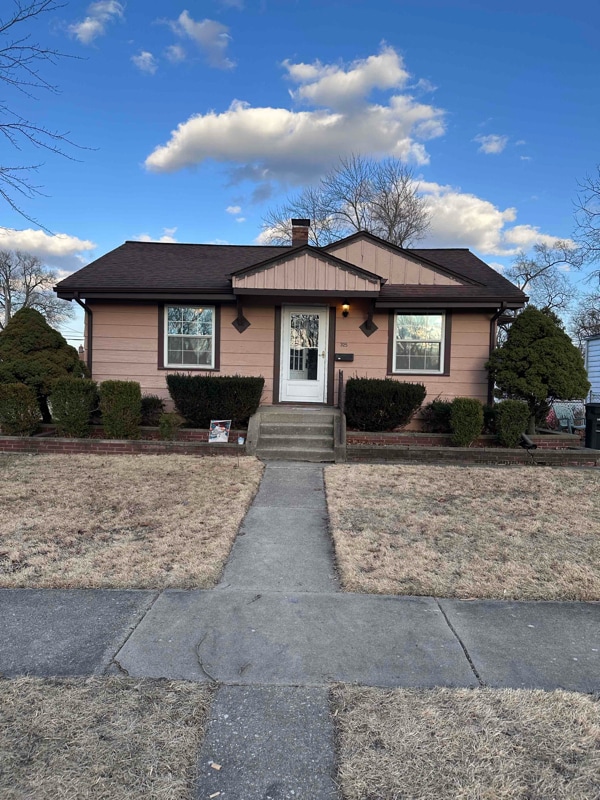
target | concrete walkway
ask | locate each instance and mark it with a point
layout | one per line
(277, 630)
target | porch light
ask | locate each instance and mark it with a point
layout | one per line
(345, 308)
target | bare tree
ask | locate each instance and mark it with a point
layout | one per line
(21, 60)
(544, 275)
(587, 217)
(360, 193)
(585, 320)
(26, 283)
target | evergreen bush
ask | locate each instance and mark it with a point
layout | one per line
(374, 404)
(73, 401)
(490, 418)
(19, 409)
(436, 416)
(512, 419)
(169, 424)
(200, 398)
(467, 420)
(152, 408)
(538, 363)
(121, 407)
(33, 353)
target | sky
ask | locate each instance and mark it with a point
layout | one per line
(189, 120)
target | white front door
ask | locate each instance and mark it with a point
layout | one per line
(304, 335)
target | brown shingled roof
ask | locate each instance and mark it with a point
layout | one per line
(164, 267)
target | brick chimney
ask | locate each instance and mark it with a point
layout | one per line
(300, 232)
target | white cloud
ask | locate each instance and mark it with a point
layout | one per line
(460, 219)
(59, 250)
(145, 62)
(99, 15)
(289, 145)
(168, 237)
(239, 4)
(240, 219)
(491, 144)
(525, 158)
(233, 209)
(175, 53)
(334, 87)
(212, 38)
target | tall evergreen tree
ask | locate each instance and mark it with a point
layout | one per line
(538, 363)
(33, 353)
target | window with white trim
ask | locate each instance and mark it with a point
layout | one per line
(419, 342)
(190, 336)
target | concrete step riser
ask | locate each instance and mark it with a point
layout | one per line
(283, 442)
(316, 417)
(293, 429)
(292, 454)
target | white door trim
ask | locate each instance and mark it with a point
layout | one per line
(301, 390)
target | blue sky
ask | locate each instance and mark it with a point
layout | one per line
(194, 117)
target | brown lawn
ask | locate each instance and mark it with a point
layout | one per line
(120, 521)
(494, 532)
(100, 738)
(463, 744)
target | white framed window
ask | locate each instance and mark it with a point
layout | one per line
(190, 337)
(419, 342)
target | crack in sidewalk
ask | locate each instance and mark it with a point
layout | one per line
(480, 680)
(114, 661)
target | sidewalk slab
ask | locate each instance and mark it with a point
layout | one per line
(282, 549)
(288, 484)
(542, 645)
(54, 632)
(296, 639)
(272, 743)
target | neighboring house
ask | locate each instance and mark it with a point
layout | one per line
(294, 315)
(592, 365)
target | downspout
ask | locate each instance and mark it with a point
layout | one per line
(501, 310)
(89, 331)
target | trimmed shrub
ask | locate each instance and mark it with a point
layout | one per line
(490, 418)
(33, 353)
(436, 416)
(467, 420)
(121, 407)
(200, 398)
(152, 408)
(374, 404)
(73, 401)
(512, 419)
(19, 409)
(169, 424)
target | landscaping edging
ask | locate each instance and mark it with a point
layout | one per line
(473, 455)
(551, 441)
(57, 444)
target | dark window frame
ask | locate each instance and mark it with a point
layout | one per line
(447, 342)
(162, 307)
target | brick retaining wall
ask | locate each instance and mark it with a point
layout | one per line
(56, 444)
(558, 441)
(473, 455)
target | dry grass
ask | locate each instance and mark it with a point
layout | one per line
(120, 521)
(100, 738)
(461, 744)
(499, 532)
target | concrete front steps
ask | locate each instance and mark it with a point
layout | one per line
(297, 433)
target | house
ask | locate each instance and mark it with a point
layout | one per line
(295, 315)
(592, 365)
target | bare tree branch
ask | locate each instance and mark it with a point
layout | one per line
(21, 60)
(587, 217)
(26, 283)
(360, 193)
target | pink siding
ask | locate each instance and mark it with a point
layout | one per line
(393, 266)
(305, 272)
(469, 352)
(125, 347)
